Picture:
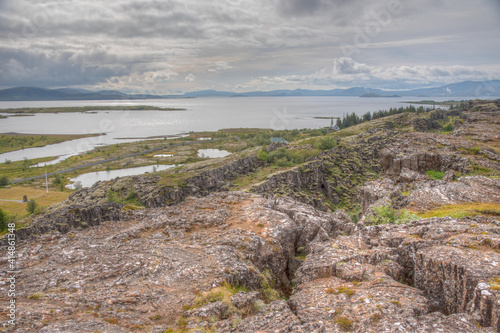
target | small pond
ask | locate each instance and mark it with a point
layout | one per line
(89, 179)
(212, 153)
(163, 155)
(51, 162)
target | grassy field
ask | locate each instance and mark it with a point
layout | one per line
(16, 193)
(88, 108)
(16, 141)
(463, 210)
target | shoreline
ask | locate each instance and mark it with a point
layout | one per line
(170, 136)
(20, 141)
(74, 109)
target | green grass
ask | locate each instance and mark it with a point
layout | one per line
(40, 195)
(267, 283)
(341, 290)
(344, 323)
(35, 296)
(433, 174)
(495, 284)
(388, 215)
(245, 181)
(221, 293)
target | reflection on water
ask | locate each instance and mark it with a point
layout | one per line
(89, 179)
(212, 153)
(51, 162)
(163, 155)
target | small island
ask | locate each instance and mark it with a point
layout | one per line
(89, 109)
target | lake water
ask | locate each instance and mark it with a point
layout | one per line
(89, 179)
(213, 153)
(202, 114)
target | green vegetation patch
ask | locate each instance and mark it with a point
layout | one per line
(130, 198)
(267, 291)
(341, 290)
(388, 215)
(344, 323)
(433, 174)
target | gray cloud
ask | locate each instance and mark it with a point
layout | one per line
(194, 44)
(300, 7)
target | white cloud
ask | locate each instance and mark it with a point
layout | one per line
(347, 66)
(220, 66)
(190, 78)
(345, 72)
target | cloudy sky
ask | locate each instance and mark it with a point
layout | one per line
(175, 46)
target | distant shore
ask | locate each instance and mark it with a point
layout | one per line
(13, 141)
(431, 102)
(88, 109)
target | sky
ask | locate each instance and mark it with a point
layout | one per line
(176, 46)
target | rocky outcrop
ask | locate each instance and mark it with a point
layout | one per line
(427, 194)
(71, 217)
(91, 206)
(150, 192)
(142, 269)
(296, 182)
(397, 164)
(330, 179)
(227, 262)
(385, 275)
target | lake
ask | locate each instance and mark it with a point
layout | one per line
(202, 114)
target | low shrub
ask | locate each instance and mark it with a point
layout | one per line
(325, 143)
(31, 206)
(4, 180)
(388, 215)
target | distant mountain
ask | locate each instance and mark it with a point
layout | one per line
(466, 88)
(74, 91)
(40, 94)
(463, 89)
(209, 93)
(378, 95)
(30, 94)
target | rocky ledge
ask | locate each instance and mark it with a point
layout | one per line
(238, 262)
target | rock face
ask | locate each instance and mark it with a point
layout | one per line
(72, 217)
(395, 276)
(227, 261)
(427, 194)
(397, 164)
(333, 177)
(152, 194)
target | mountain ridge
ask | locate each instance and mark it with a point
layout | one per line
(461, 89)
